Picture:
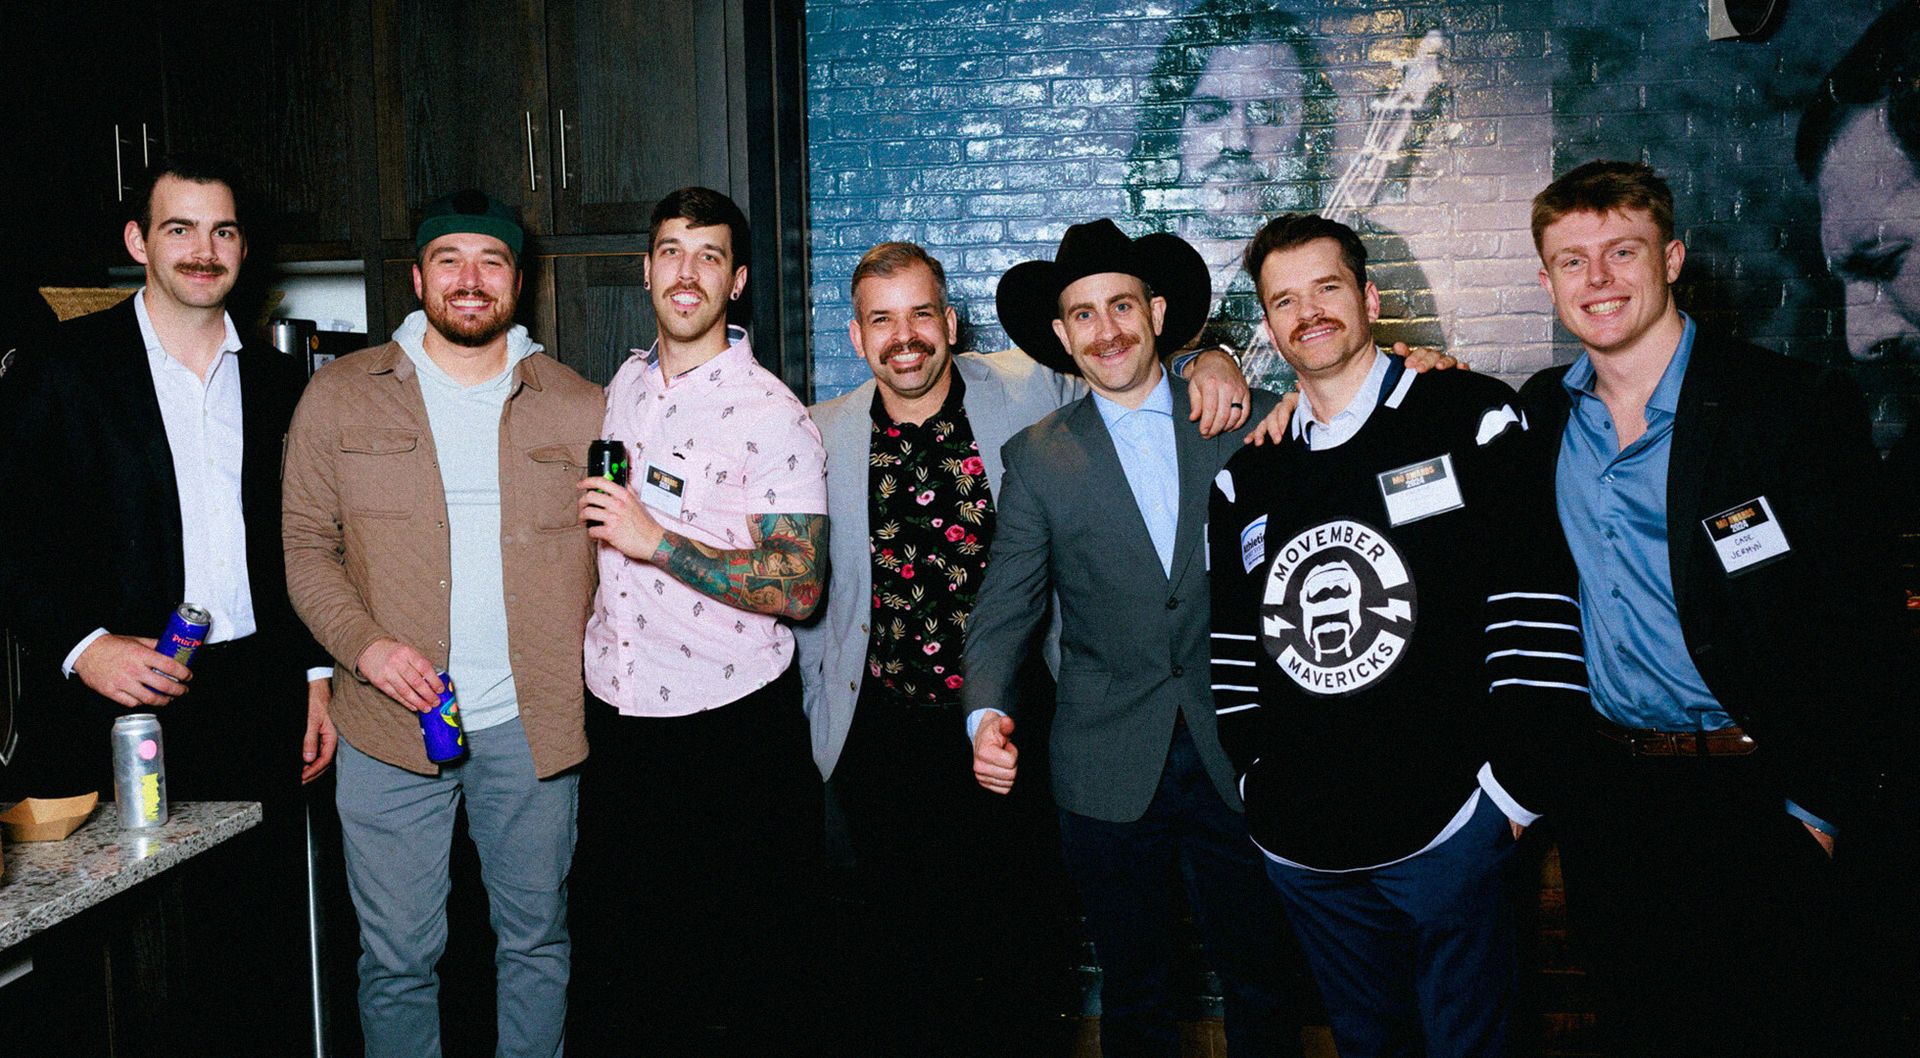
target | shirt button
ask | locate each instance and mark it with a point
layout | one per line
(1608, 478)
(439, 525)
(863, 626)
(1611, 534)
(623, 642)
(1615, 593)
(852, 685)
(1179, 671)
(443, 584)
(1173, 604)
(1622, 648)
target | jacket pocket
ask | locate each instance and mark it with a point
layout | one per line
(557, 470)
(1083, 684)
(373, 464)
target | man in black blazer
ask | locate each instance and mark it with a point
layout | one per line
(1719, 501)
(145, 473)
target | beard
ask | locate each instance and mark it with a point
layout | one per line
(470, 329)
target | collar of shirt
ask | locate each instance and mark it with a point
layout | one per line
(1160, 399)
(1665, 399)
(953, 407)
(1343, 426)
(738, 352)
(157, 352)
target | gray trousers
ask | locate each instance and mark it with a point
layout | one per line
(398, 827)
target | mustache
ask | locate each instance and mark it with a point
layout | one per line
(201, 269)
(1300, 329)
(1118, 344)
(470, 292)
(904, 347)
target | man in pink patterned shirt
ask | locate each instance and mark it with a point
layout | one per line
(700, 809)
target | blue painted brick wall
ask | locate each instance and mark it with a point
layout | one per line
(982, 128)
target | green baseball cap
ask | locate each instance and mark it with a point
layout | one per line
(469, 210)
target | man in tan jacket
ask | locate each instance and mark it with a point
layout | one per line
(430, 525)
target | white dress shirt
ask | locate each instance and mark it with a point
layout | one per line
(204, 435)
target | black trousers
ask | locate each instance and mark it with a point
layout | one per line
(1704, 910)
(911, 971)
(695, 881)
(230, 923)
(1129, 875)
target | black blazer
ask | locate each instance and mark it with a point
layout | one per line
(1802, 652)
(94, 510)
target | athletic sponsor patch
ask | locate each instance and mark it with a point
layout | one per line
(1338, 608)
(1253, 543)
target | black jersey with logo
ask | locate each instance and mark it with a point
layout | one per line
(1378, 618)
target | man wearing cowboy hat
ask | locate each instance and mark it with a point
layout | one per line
(1103, 504)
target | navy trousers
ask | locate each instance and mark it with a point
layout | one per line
(1127, 874)
(1417, 957)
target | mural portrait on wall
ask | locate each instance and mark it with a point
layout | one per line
(1859, 144)
(1239, 123)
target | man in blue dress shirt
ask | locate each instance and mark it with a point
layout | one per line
(1737, 612)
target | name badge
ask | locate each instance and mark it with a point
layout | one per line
(1421, 490)
(662, 491)
(1747, 535)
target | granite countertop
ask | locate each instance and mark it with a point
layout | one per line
(49, 881)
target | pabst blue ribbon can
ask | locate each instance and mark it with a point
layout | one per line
(446, 740)
(139, 771)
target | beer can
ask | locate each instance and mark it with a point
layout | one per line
(186, 630)
(139, 771)
(607, 459)
(446, 741)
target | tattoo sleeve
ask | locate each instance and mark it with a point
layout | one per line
(780, 575)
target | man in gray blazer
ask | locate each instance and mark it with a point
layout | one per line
(1103, 505)
(913, 466)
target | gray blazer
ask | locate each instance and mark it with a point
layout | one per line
(1134, 641)
(1006, 391)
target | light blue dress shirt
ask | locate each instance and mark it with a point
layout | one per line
(1613, 506)
(1143, 438)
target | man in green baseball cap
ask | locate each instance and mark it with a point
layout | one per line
(429, 511)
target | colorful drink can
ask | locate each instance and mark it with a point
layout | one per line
(446, 741)
(139, 771)
(607, 459)
(186, 630)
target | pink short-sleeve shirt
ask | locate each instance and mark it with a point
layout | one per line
(734, 444)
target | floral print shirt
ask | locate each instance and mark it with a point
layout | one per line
(931, 521)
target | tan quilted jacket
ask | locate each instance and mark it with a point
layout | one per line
(365, 527)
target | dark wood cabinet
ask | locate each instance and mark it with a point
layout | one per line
(639, 99)
(345, 117)
(602, 309)
(281, 106)
(460, 101)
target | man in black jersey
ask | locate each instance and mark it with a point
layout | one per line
(1373, 631)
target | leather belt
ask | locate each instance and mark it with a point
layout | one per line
(1726, 742)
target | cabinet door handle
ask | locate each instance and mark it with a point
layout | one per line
(146, 161)
(533, 177)
(563, 150)
(119, 173)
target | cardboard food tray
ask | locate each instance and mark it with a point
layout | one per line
(48, 819)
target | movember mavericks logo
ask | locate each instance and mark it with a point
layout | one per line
(1338, 608)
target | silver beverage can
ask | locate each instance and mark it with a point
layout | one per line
(139, 771)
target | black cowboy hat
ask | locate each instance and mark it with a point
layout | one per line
(1028, 299)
